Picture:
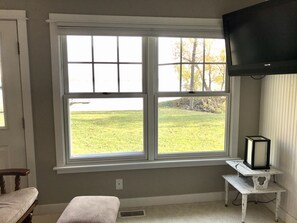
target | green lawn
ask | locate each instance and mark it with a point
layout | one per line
(2, 122)
(122, 131)
(190, 131)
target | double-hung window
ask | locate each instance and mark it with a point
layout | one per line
(192, 97)
(132, 92)
(103, 97)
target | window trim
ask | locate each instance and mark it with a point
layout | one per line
(211, 28)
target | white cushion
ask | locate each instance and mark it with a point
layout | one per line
(91, 209)
(15, 204)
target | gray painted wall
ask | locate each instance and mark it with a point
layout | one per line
(55, 188)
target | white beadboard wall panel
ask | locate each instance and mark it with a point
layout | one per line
(278, 121)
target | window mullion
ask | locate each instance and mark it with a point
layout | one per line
(152, 86)
(118, 63)
(93, 65)
(180, 64)
(203, 69)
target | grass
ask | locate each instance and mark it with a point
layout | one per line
(190, 131)
(106, 132)
(122, 131)
(2, 122)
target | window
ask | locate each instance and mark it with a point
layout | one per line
(192, 117)
(104, 96)
(139, 95)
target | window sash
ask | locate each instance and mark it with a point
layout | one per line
(112, 157)
(198, 154)
(204, 63)
(65, 63)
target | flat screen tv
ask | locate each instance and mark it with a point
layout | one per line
(262, 39)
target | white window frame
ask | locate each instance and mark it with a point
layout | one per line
(143, 26)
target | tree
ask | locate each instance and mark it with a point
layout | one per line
(202, 67)
(194, 53)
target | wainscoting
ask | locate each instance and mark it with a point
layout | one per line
(278, 121)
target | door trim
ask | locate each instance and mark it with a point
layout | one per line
(20, 17)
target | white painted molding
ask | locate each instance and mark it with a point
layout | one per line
(20, 17)
(127, 25)
(135, 20)
(144, 202)
(57, 97)
(175, 199)
(13, 15)
(27, 101)
(234, 120)
(217, 161)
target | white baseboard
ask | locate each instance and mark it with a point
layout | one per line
(173, 199)
(142, 202)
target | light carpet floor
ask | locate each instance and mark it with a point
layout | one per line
(208, 212)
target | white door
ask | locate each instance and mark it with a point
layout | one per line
(12, 138)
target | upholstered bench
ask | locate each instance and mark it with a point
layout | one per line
(91, 209)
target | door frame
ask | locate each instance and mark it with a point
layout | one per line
(21, 20)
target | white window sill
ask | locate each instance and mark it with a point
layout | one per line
(141, 165)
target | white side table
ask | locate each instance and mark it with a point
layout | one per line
(249, 181)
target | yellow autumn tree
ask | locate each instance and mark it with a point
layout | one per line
(203, 68)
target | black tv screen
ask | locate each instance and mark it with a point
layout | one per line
(262, 39)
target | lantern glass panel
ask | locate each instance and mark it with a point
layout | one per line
(257, 152)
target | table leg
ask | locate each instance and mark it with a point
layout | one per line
(244, 205)
(226, 193)
(277, 204)
(256, 198)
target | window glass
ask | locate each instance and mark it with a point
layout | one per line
(192, 77)
(104, 64)
(105, 126)
(80, 77)
(169, 50)
(215, 50)
(105, 49)
(191, 124)
(191, 64)
(130, 49)
(79, 48)
(131, 78)
(169, 78)
(106, 78)
(192, 50)
(215, 77)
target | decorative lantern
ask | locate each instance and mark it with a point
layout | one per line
(257, 152)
